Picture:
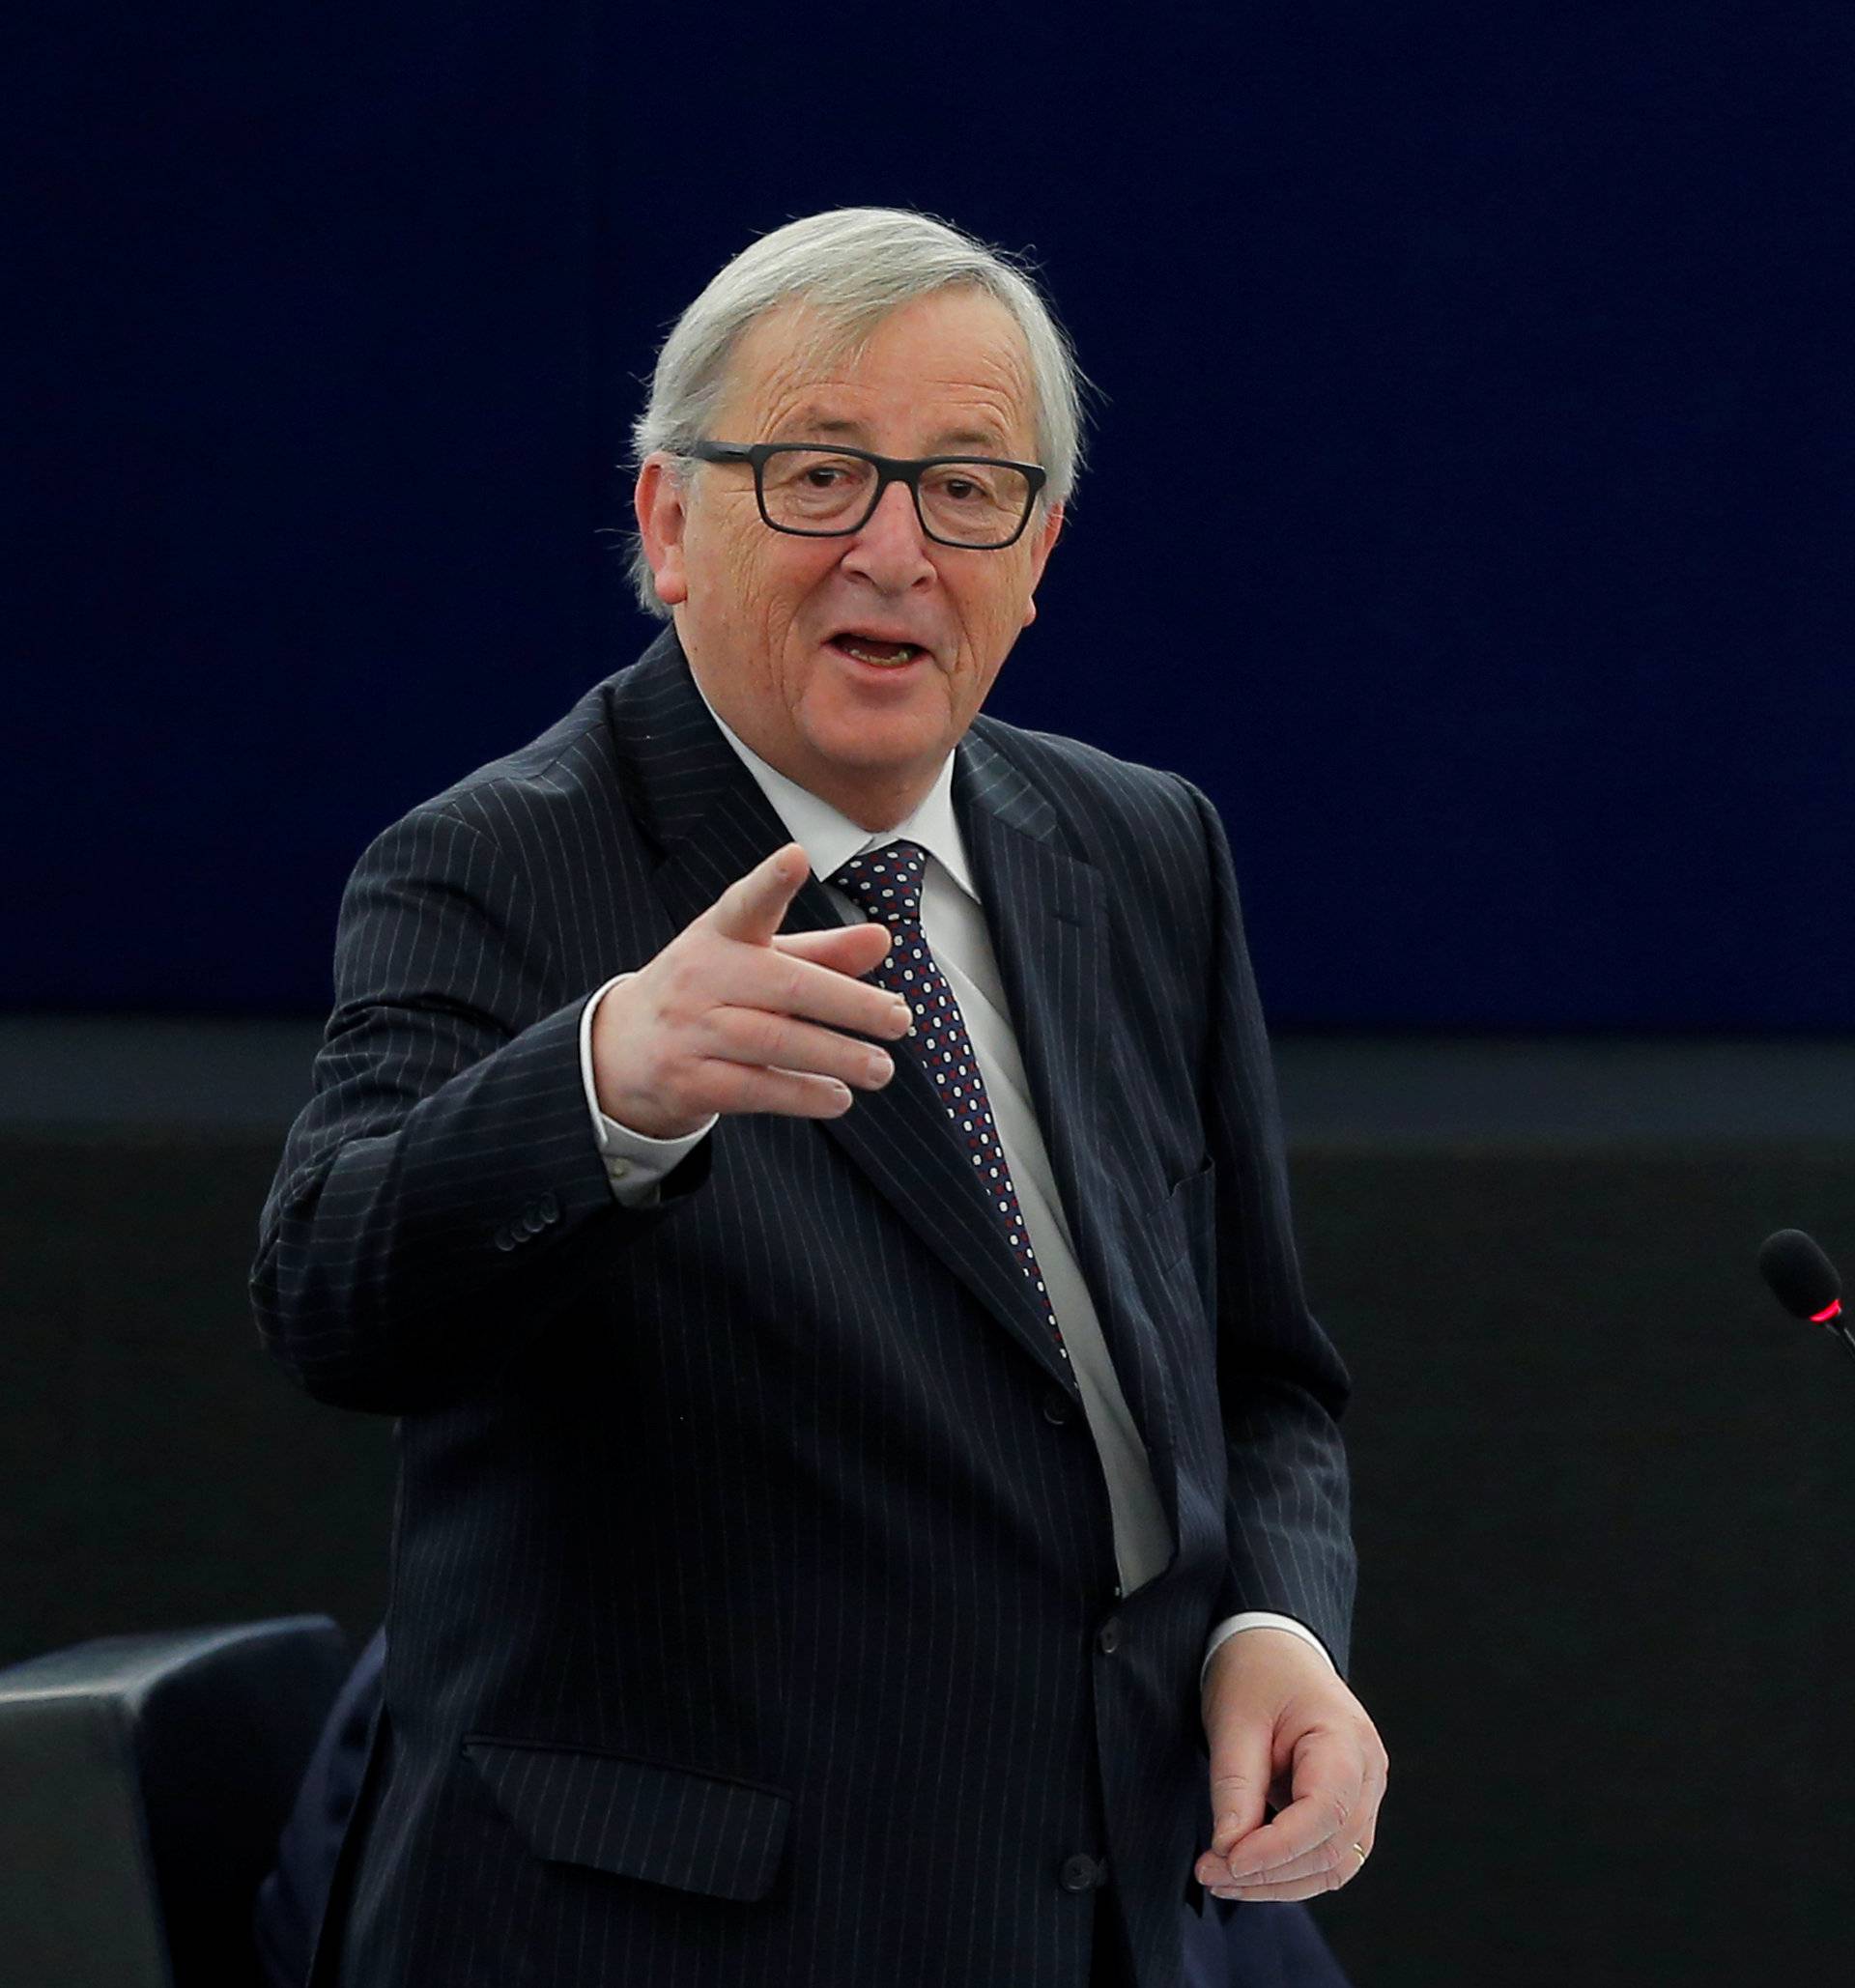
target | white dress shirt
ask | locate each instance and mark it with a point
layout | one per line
(954, 924)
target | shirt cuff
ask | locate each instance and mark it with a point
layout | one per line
(635, 1165)
(1257, 1618)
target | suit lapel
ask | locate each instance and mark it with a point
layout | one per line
(1046, 910)
(712, 823)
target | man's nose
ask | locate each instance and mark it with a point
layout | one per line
(891, 551)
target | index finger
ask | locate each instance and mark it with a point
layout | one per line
(795, 976)
(752, 907)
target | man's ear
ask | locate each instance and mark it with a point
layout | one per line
(661, 503)
(1041, 547)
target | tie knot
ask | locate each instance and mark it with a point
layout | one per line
(886, 882)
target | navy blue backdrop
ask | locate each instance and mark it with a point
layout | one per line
(1468, 509)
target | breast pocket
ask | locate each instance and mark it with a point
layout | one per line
(667, 1824)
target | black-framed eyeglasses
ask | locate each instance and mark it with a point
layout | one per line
(981, 503)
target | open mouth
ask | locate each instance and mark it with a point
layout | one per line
(879, 655)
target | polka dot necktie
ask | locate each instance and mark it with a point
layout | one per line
(886, 883)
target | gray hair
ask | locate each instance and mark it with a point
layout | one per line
(854, 266)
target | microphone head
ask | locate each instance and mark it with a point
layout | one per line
(1802, 1278)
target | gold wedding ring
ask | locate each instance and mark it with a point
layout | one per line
(1359, 1851)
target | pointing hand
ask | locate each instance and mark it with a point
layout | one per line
(733, 1015)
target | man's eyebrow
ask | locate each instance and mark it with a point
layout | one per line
(808, 422)
(987, 440)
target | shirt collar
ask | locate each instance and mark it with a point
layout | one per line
(830, 839)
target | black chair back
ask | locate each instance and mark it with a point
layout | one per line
(143, 1781)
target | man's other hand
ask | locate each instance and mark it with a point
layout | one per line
(732, 1015)
(1285, 1733)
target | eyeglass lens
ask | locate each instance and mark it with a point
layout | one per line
(972, 504)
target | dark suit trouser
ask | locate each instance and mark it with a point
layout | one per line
(1110, 1965)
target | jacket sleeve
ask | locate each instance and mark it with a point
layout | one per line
(440, 1196)
(1282, 1385)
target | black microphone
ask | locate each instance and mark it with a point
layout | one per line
(1804, 1280)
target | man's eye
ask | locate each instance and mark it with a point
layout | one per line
(960, 487)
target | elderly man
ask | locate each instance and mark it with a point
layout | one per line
(798, 1156)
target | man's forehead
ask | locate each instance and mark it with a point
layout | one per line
(959, 354)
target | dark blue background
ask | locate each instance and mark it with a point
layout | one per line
(1469, 507)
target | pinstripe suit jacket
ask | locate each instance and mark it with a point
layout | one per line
(753, 1615)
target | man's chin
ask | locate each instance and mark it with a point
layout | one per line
(851, 734)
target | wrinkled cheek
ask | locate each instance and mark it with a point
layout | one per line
(760, 629)
(976, 686)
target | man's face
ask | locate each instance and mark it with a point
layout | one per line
(771, 622)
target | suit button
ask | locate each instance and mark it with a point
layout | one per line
(534, 1221)
(1107, 1638)
(1056, 1408)
(549, 1207)
(1081, 1874)
(503, 1239)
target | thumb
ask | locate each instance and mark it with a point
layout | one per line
(752, 907)
(1242, 1768)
